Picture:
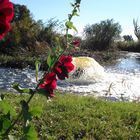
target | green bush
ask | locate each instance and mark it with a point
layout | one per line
(128, 46)
(99, 36)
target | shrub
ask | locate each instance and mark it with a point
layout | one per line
(99, 36)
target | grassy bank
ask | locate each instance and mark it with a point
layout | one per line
(69, 117)
(22, 61)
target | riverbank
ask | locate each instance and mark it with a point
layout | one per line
(23, 61)
(69, 116)
(20, 62)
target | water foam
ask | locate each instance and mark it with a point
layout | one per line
(115, 83)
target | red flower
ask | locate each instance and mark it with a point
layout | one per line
(76, 43)
(6, 9)
(6, 15)
(63, 67)
(4, 28)
(49, 83)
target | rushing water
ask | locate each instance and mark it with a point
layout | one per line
(121, 80)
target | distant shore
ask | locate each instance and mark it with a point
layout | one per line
(22, 61)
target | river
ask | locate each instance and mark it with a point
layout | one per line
(121, 82)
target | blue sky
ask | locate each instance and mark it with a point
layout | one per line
(92, 11)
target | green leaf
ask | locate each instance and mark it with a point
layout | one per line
(69, 36)
(21, 90)
(30, 133)
(78, 1)
(37, 66)
(72, 4)
(1, 97)
(52, 58)
(49, 60)
(36, 111)
(25, 111)
(5, 108)
(70, 25)
(5, 122)
(75, 14)
(73, 27)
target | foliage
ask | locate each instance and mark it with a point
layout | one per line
(129, 46)
(28, 35)
(128, 38)
(99, 36)
(24, 28)
(49, 31)
(22, 32)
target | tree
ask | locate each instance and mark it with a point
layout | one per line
(50, 31)
(99, 36)
(136, 28)
(128, 38)
(24, 26)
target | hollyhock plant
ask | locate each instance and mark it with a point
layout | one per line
(63, 66)
(59, 66)
(6, 15)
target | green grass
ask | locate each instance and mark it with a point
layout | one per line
(73, 117)
(16, 61)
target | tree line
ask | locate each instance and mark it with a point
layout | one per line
(34, 37)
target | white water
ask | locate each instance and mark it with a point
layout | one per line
(121, 81)
(115, 86)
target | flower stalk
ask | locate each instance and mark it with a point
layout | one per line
(59, 66)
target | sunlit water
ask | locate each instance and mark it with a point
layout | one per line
(120, 82)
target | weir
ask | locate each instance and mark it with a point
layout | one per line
(87, 70)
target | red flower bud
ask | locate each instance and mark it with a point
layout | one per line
(76, 43)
